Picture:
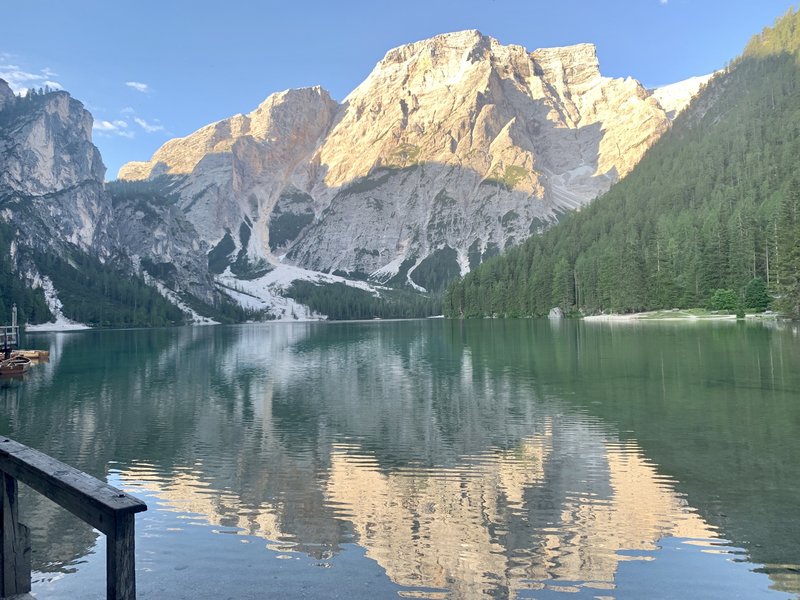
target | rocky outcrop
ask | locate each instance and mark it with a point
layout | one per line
(54, 201)
(233, 172)
(161, 242)
(456, 147)
(51, 175)
(6, 94)
(451, 150)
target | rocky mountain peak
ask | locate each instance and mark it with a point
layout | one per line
(452, 149)
(676, 97)
(53, 149)
(280, 114)
(452, 98)
(470, 44)
(276, 120)
(51, 175)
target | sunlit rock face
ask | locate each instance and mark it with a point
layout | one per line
(452, 149)
(234, 171)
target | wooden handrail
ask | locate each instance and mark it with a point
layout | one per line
(102, 506)
(10, 336)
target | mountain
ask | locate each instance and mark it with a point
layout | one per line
(47, 160)
(59, 253)
(711, 212)
(236, 169)
(453, 149)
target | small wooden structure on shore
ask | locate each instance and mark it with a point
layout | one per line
(10, 335)
(40, 355)
(13, 361)
(102, 506)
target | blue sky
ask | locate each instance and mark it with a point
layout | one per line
(150, 71)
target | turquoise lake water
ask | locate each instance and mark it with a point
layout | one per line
(426, 459)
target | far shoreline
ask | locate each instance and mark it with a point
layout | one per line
(692, 315)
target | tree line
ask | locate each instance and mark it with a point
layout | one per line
(344, 302)
(105, 295)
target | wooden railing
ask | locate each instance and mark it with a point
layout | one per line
(9, 336)
(102, 506)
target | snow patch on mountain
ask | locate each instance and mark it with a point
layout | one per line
(61, 323)
(268, 292)
(674, 98)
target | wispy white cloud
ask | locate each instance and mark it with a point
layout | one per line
(128, 110)
(116, 127)
(138, 86)
(148, 127)
(663, 1)
(21, 79)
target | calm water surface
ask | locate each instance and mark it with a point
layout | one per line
(426, 459)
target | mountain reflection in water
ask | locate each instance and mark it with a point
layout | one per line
(466, 460)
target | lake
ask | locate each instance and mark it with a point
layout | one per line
(425, 459)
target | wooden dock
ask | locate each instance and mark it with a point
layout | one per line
(102, 506)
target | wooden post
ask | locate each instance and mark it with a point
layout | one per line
(120, 561)
(15, 575)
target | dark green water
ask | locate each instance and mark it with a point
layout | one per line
(426, 459)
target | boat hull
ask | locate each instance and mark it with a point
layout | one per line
(14, 366)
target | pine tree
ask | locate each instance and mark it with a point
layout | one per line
(756, 295)
(788, 259)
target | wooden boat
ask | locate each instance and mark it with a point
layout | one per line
(14, 366)
(32, 354)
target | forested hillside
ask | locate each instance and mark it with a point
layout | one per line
(711, 213)
(31, 305)
(105, 295)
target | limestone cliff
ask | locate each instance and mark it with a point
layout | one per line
(62, 223)
(232, 173)
(452, 149)
(51, 175)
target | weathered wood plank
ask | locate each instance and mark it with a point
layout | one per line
(120, 561)
(24, 573)
(92, 500)
(15, 566)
